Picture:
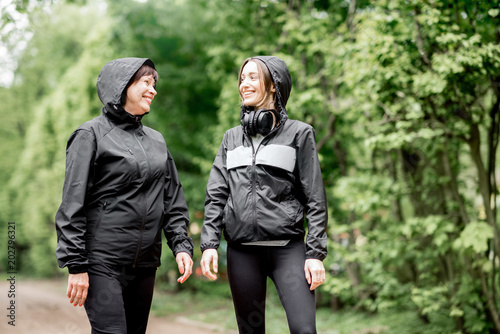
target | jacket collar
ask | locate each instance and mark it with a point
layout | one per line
(118, 115)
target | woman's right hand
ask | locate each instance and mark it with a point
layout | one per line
(209, 257)
(78, 285)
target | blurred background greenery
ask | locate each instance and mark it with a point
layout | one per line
(404, 96)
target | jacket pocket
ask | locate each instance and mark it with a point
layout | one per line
(228, 214)
(294, 210)
(99, 219)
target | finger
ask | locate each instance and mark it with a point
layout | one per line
(209, 274)
(77, 298)
(84, 297)
(318, 279)
(215, 264)
(308, 275)
(204, 265)
(73, 294)
(314, 286)
(187, 270)
(182, 279)
(314, 279)
(180, 264)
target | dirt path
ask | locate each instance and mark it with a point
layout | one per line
(42, 308)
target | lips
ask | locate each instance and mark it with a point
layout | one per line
(248, 94)
(148, 99)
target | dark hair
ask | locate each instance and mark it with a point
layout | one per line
(263, 73)
(142, 71)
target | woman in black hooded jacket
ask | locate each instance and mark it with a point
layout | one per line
(121, 190)
(265, 179)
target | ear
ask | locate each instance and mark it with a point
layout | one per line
(273, 88)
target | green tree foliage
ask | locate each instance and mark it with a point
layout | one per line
(63, 78)
(403, 95)
(420, 209)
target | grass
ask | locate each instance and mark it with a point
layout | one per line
(215, 307)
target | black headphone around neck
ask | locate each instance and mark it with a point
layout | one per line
(260, 121)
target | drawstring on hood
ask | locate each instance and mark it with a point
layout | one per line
(111, 84)
(282, 81)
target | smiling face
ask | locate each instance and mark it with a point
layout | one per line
(253, 90)
(139, 96)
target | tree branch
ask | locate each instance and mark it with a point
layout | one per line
(420, 40)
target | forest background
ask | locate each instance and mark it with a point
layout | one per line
(403, 94)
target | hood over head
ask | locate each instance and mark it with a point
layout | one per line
(114, 77)
(282, 80)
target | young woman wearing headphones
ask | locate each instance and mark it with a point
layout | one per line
(265, 180)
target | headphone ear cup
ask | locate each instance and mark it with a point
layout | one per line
(248, 122)
(252, 131)
(264, 120)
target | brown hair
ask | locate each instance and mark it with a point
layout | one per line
(263, 73)
(142, 71)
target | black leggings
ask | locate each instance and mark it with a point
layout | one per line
(119, 299)
(248, 268)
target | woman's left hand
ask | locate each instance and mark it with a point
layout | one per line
(185, 264)
(315, 273)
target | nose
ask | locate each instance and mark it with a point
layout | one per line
(244, 83)
(152, 90)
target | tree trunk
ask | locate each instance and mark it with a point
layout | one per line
(474, 143)
(484, 187)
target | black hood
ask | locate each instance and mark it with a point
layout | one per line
(113, 79)
(282, 79)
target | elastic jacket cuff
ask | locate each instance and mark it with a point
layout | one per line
(317, 256)
(209, 245)
(78, 269)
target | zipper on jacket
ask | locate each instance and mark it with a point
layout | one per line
(143, 150)
(143, 222)
(254, 185)
(254, 178)
(141, 230)
(104, 205)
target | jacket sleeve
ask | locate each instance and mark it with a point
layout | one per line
(313, 189)
(176, 214)
(215, 202)
(71, 222)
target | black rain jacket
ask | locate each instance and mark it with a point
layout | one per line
(263, 193)
(121, 187)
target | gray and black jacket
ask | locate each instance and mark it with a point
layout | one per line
(121, 188)
(263, 193)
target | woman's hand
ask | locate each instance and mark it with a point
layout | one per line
(208, 257)
(185, 264)
(315, 273)
(78, 286)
